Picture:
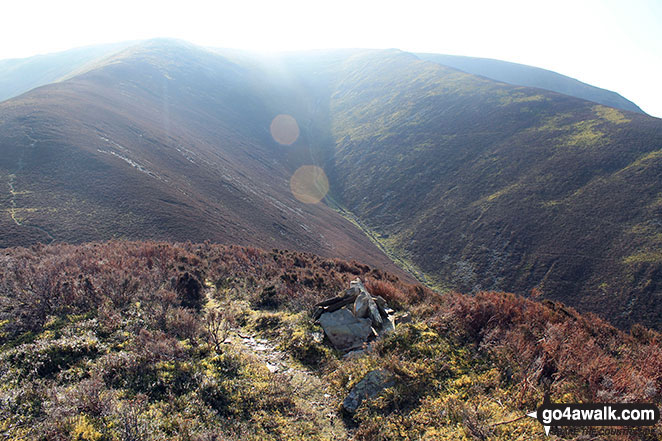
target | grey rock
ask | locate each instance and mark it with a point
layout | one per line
(365, 306)
(351, 355)
(361, 305)
(370, 386)
(356, 283)
(355, 288)
(374, 314)
(388, 326)
(381, 305)
(351, 319)
(344, 330)
(380, 301)
(334, 304)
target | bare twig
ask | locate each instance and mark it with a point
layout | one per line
(509, 421)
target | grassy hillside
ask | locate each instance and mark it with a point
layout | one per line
(522, 75)
(143, 340)
(487, 186)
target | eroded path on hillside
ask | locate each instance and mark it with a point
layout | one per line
(310, 391)
(14, 209)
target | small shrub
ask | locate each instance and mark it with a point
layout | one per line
(268, 322)
(305, 349)
(182, 323)
(83, 430)
(91, 397)
(189, 290)
(393, 296)
(217, 326)
(266, 299)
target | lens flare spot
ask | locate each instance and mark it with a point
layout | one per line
(309, 184)
(284, 129)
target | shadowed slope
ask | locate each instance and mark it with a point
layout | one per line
(164, 140)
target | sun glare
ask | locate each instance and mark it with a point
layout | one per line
(309, 184)
(284, 129)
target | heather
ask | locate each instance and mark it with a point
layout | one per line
(143, 340)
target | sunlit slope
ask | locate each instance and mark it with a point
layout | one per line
(202, 340)
(488, 186)
(164, 140)
(522, 75)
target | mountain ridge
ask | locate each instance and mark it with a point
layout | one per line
(20, 75)
(524, 75)
(62, 65)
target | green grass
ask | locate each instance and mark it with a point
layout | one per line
(644, 257)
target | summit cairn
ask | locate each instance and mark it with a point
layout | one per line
(354, 318)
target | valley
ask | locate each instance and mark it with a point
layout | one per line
(182, 230)
(465, 183)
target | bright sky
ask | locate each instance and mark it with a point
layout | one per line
(614, 44)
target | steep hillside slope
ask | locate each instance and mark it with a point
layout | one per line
(126, 341)
(164, 140)
(488, 186)
(522, 75)
(471, 183)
